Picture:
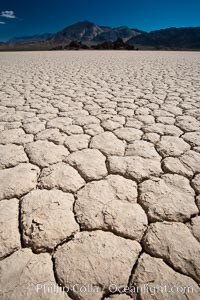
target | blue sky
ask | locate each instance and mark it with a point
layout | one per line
(27, 17)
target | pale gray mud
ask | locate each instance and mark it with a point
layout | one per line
(100, 175)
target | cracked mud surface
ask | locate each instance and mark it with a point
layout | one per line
(100, 175)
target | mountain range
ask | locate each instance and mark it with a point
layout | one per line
(183, 38)
(82, 31)
(30, 39)
(91, 33)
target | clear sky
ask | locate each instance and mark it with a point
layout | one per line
(27, 17)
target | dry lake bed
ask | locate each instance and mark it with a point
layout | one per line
(100, 175)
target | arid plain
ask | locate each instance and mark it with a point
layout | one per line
(100, 175)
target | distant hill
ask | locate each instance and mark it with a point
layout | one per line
(81, 31)
(29, 39)
(173, 38)
(87, 31)
(112, 34)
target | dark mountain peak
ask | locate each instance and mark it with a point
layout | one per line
(81, 24)
(105, 28)
(82, 31)
(121, 27)
(172, 38)
(138, 30)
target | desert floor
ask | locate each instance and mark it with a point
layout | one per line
(99, 175)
